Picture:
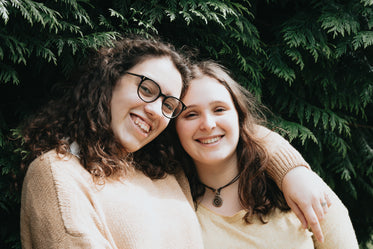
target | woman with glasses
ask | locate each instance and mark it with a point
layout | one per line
(85, 189)
(100, 174)
(222, 150)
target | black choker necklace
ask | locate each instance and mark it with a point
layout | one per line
(218, 201)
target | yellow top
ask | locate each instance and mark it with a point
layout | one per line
(283, 231)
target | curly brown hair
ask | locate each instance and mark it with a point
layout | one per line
(82, 115)
(257, 192)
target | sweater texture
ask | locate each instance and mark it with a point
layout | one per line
(63, 208)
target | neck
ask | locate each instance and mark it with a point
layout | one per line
(223, 198)
(217, 175)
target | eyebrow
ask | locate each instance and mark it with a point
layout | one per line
(211, 103)
(167, 93)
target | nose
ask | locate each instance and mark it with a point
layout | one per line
(208, 122)
(154, 109)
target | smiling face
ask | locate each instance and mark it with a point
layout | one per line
(208, 129)
(134, 122)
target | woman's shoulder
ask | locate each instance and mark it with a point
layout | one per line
(55, 165)
(269, 137)
(55, 189)
(51, 159)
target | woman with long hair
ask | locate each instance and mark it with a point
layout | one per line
(224, 153)
(85, 189)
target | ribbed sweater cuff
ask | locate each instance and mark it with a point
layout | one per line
(282, 161)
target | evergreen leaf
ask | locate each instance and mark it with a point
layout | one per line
(8, 74)
(295, 56)
(3, 11)
(339, 22)
(277, 66)
(367, 2)
(363, 39)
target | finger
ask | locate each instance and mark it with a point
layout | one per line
(314, 224)
(328, 200)
(319, 210)
(298, 212)
(324, 205)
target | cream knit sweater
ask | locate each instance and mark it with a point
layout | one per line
(61, 207)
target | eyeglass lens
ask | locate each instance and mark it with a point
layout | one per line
(149, 91)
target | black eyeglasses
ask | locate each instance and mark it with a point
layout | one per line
(149, 91)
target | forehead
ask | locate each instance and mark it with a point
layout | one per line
(163, 71)
(205, 90)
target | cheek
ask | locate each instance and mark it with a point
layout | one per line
(163, 124)
(113, 112)
(116, 105)
(232, 124)
(178, 126)
(237, 131)
(182, 131)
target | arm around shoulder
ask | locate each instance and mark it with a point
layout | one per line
(302, 190)
(283, 157)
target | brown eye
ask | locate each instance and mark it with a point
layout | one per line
(219, 109)
(190, 115)
(169, 105)
(148, 89)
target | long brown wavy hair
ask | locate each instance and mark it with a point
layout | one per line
(257, 192)
(83, 114)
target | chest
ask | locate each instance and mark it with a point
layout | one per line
(282, 230)
(157, 210)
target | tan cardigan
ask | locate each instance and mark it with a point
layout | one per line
(62, 208)
(282, 156)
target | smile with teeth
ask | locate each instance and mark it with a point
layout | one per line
(209, 140)
(141, 124)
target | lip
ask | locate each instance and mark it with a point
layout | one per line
(210, 140)
(141, 124)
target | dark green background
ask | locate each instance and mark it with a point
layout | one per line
(309, 61)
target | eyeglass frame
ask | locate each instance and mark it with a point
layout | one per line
(143, 78)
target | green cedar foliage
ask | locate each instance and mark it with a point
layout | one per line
(309, 61)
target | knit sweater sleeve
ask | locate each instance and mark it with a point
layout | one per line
(282, 156)
(55, 211)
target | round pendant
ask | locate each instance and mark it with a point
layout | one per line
(217, 202)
